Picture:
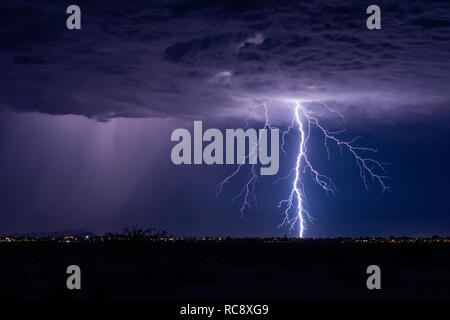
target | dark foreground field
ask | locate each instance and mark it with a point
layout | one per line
(235, 269)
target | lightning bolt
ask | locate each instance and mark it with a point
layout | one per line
(303, 121)
(248, 190)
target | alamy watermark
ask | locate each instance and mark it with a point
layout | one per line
(236, 141)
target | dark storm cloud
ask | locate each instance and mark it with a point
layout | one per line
(201, 58)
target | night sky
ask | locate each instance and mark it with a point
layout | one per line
(86, 115)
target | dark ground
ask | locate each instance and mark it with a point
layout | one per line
(237, 269)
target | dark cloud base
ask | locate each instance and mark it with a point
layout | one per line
(208, 58)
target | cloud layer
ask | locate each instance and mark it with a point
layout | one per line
(186, 59)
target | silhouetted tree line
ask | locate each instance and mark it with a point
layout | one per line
(137, 233)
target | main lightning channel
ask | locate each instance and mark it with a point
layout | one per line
(303, 121)
(295, 185)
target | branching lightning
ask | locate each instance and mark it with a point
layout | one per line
(303, 121)
(248, 191)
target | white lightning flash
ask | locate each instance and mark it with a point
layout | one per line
(303, 121)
